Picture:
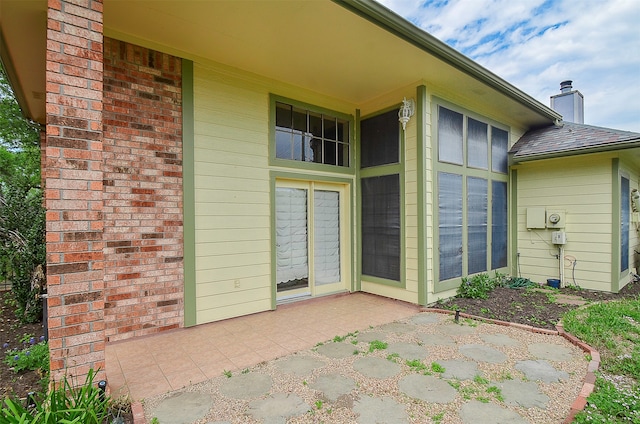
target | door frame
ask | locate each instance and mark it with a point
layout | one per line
(346, 187)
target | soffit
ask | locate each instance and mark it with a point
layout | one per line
(317, 45)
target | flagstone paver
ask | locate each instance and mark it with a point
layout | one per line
(398, 327)
(380, 411)
(336, 350)
(475, 412)
(436, 339)
(526, 394)
(277, 408)
(541, 370)
(333, 385)
(427, 388)
(550, 351)
(246, 386)
(299, 365)
(371, 336)
(499, 340)
(483, 353)
(408, 350)
(376, 367)
(184, 408)
(459, 369)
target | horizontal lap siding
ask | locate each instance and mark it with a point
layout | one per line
(232, 198)
(582, 188)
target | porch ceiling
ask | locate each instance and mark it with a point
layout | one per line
(317, 45)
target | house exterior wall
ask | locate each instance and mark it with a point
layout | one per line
(581, 187)
(233, 267)
(233, 271)
(143, 217)
(73, 188)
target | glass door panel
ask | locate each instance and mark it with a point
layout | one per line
(326, 255)
(292, 263)
(311, 239)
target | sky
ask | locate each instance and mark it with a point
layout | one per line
(536, 44)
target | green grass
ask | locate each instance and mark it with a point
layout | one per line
(612, 328)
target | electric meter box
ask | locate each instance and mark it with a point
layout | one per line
(559, 237)
(556, 218)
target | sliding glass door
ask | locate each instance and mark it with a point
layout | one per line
(311, 232)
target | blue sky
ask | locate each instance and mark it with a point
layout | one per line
(536, 44)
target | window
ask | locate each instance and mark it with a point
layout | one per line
(381, 226)
(472, 195)
(625, 217)
(381, 200)
(379, 137)
(477, 215)
(310, 136)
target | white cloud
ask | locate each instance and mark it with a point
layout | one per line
(536, 44)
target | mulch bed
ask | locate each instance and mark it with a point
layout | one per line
(537, 308)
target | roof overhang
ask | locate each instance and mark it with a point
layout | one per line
(630, 151)
(351, 50)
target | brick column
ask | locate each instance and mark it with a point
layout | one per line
(73, 196)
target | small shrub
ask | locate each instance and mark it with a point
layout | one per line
(477, 287)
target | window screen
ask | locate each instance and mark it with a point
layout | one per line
(477, 224)
(624, 224)
(449, 136)
(499, 146)
(450, 224)
(381, 226)
(477, 144)
(380, 140)
(498, 224)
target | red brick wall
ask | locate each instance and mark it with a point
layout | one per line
(73, 187)
(142, 191)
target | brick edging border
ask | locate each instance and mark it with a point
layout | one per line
(589, 379)
(578, 405)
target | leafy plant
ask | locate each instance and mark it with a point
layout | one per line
(477, 287)
(416, 365)
(377, 345)
(33, 356)
(436, 367)
(86, 404)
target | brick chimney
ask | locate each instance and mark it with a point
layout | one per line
(569, 103)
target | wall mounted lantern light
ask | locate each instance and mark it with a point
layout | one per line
(406, 111)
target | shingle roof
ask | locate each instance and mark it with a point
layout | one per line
(570, 138)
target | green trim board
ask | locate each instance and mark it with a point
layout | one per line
(274, 176)
(355, 212)
(421, 143)
(188, 194)
(376, 171)
(513, 225)
(465, 171)
(308, 166)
